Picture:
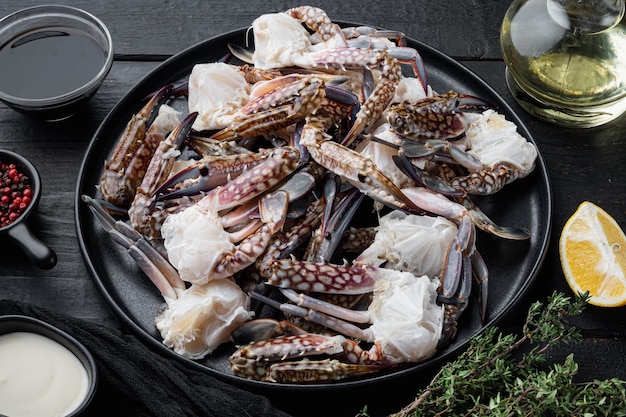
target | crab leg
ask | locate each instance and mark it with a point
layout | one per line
(485, 223)
(321, 306)
(124, 171)
(437, 203)
(325, 278)
(157, 268)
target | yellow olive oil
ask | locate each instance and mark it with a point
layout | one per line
(564, 68)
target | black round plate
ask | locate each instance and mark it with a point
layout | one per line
(513, 264)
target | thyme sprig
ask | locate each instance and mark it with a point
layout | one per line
(489, 379)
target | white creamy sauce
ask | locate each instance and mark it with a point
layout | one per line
(39, 377)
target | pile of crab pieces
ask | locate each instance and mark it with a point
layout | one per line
(251, 197)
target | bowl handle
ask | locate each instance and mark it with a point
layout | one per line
(37, 251)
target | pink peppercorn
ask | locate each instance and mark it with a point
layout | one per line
(16, 193)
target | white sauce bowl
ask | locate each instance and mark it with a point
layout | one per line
(45, 365)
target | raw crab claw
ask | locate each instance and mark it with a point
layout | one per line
(491, 155)
(485, 223)
(156, 268)
(423, 178)
(262, 329)
(141, 212)
(351, 165)
(280, 107)
(279, 359)
(210, 172)
(273, 351)
(432, 199)
(411, 57)
(435, 117)
(124, 170)
(318, 21)
(279, 164)
(454, 275)
(362, 59)
(435, 147)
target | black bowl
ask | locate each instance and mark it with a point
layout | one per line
(17, 323)
(62, 19)
(18, 230)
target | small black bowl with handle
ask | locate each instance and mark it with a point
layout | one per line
(19, 230)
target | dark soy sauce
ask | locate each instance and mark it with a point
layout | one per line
(49, 62)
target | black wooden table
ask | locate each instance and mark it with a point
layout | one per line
(583, 164)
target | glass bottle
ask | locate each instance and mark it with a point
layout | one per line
(566, 59)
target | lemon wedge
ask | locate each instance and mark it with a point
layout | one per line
(592, 249)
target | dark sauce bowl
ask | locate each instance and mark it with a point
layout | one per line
(63, 103)
(19, 323)
(19, 231)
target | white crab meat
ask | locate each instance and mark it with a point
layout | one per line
(216, 91)
(413, 243)
(279, 40)
(410, 90)
(406, 320)
(167, 119)
(495, 140)
(202, 317)
(195, 240)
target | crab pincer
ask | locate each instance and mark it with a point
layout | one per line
(125, 169)
(142, 211)
(436, 117)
